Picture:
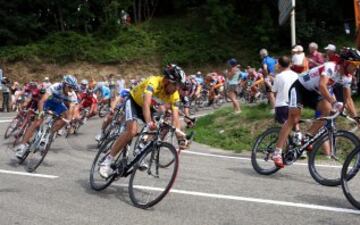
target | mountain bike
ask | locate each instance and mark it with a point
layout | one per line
(324, 166)
(149, 182)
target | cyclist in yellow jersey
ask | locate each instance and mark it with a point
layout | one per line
(162, 90)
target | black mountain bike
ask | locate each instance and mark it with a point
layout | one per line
(149, 181)
(327, 151)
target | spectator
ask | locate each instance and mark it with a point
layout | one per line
(331, 54)
(5, 83)
(46, 83)
(282, 84)
(233, 81)
(13, 89)
(268, 66)
(315, 57)
(125, 18)
(299, 61)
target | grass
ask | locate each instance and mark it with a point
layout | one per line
(237, 132)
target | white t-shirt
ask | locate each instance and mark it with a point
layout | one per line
(282, 84)
(298, 59)
(311, 79)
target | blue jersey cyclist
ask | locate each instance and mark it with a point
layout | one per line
(59, 99)
(104, 91)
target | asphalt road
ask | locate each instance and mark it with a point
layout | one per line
(212, 187)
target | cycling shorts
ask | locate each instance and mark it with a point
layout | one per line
(56, 107)
(299, 96)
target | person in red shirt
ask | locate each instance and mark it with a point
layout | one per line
(315, 57)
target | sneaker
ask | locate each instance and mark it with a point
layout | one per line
(278, 160)
(98, 137)
(105, 169)
(21, 150)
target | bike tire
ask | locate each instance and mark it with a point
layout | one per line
(20, 134)
(11, 129)
(344, 177)
(256, 164)
(100, 156)
(32, 168)
(153, 152)
(314, 169)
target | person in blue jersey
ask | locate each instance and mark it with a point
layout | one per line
(61, 99)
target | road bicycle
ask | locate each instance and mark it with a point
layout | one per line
(149, 182)
(40, 142)
(327, 150)
(350, 177)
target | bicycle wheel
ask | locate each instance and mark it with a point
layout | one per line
(37, 153)
(19, 135)
(325, 167)
(103, 110)
(262, 150)
(170, 137)
(350, 186)
(97, 182)
(149, 183)
(12, 127)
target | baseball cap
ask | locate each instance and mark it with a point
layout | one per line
(298, 48)
(330, 47)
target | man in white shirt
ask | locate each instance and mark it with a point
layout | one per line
(282, 84)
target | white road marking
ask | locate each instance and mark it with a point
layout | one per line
(28, 174)
(255, 200)
(246, 159)
(5, 121)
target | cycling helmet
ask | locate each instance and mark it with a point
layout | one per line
(232, 62)
(175, 73)
(84, 82)
(350, 54)
(35, 92)
(124, 93)
(71, 81)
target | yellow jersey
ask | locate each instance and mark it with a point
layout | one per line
(154, 85)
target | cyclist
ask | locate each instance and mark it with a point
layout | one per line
(123, 95)
(162, 89)
(59, 99)
(215, 83)
(187, 94)
(87, 99)
(104, 91)
(312, 89)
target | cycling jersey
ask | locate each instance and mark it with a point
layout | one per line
(87, 99)
(154, 85)
(56, 92)
(104, 90)
(311, 79)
